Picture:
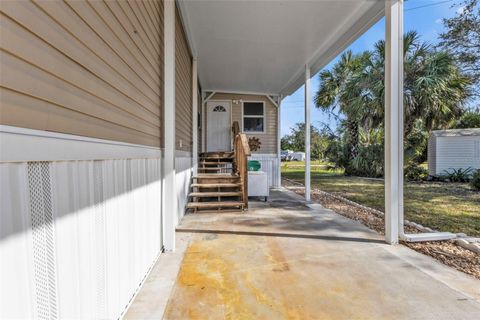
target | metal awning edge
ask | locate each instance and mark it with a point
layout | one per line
(321, 59)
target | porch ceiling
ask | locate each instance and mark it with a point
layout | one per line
(263, 46)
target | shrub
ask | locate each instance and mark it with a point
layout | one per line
(475, 182)
(458, 175)
(369, 161)
(416, 143)
(337, 153)
(468, 120)
(414, 172)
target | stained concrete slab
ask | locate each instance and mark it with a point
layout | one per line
(285, 259)
(153, 296)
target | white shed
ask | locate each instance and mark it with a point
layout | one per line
(453, 149)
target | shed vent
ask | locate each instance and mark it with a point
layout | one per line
(43, 239)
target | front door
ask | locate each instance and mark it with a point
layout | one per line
(218, 126)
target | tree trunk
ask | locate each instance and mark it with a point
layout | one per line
(352, 134)
(352, 143)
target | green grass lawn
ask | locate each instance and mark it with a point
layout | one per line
(451, 207)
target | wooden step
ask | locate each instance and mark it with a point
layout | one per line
(216, 158)
(216, 185)
(215, 153)
(215, 168)
(222, 204)
(214, 162)
(216, 176)
(215, 194)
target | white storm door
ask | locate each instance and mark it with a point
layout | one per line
(218, 126)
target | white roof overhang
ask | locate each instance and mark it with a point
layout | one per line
(264, 46)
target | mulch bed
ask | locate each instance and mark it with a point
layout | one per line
(447, 252)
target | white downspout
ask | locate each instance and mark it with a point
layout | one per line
(394, 118)
(307, 133)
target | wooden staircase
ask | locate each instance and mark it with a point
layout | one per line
(216, 162)
(221, 182)
(216, 186)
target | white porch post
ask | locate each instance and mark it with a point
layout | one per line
(393, 120)
(169, 201)
(195, 115)
(307, 133)
(279, 137)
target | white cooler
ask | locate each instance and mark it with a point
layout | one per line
(258, 184)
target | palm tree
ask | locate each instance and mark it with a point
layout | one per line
(434, 89)
(331, 94)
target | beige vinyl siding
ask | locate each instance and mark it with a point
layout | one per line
(269, 138)
(183, 89)
(88, 68)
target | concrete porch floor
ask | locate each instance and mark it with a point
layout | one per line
(286, 259)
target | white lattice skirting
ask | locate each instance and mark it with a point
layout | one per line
(183, 175)
(77, 237)
(270, 165)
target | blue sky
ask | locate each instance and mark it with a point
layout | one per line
(426, 20)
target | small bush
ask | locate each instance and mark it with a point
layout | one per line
(337, 153)
(414, 172)
(458, 175)
(369, 161)
(468, 120)
(475, 182)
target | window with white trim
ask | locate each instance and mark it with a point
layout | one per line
(253, 117)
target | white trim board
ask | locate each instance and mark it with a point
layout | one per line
(210, 96)
(264, 155)
(251, 93)
(21, 144)
(183, 154)
(275, 103)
